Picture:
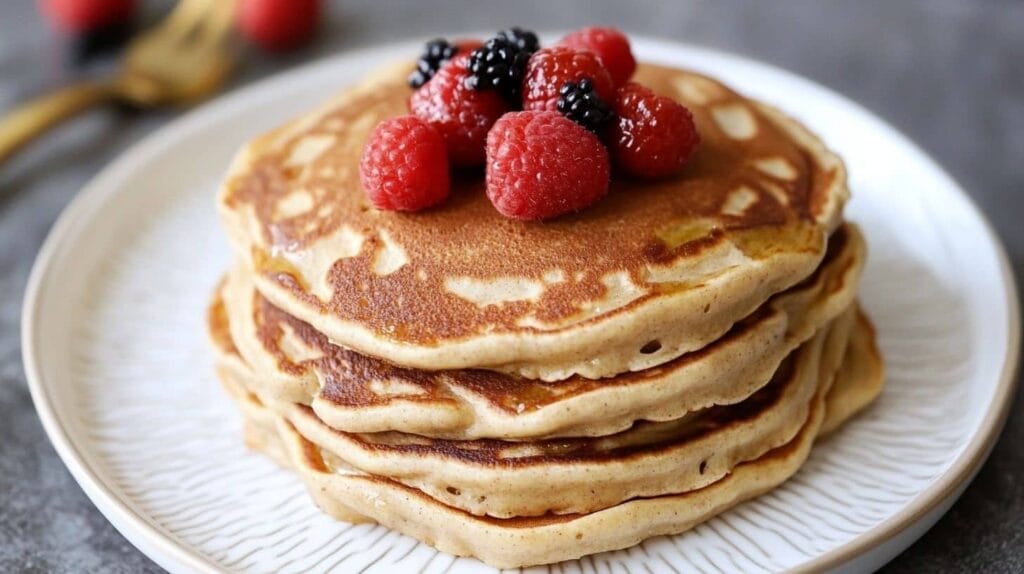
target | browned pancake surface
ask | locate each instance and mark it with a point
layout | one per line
(639, 225)
(347, 375)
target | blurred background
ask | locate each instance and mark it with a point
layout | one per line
(948, 73)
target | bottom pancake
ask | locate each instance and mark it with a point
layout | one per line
(354, 496)
(860, 379)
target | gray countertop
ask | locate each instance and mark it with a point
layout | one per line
(949, 73)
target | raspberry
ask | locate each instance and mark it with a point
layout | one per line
(550, 68)
(610, 46)
(404, 165)
(463, 116)
(541, 164)
(652, 136)
(82, 16)
(467, 45)
(278, 25)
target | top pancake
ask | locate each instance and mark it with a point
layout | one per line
(653, 270)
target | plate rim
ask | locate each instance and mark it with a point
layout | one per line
(164, 549)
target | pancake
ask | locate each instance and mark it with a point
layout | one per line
(500, 478)
(506, 543)
(292, 362)
(652, 271)
(863, 363)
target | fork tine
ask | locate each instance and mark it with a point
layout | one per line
(182, 21)
(217, 22)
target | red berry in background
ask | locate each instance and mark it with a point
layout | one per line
(467, 45)
(278, 25)
(80, 16)
(404, 165)
(550, 68)
(651, 136)
(610, 46)
(462, 116)
(541, 165)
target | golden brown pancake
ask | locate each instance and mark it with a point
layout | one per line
(292, 362)
(499, 478)
(353, 496)
(863, 363)
(529, 392)
(654, 270)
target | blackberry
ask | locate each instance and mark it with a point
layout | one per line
(523, 40)
(435, 53)
(498, 65)
(580, 103)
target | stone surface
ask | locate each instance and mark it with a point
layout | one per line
(948, 73)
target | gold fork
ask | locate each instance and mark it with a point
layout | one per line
(182, 60)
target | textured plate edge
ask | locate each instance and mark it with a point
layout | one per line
(933, 502)
(153, 541)
(926, 508)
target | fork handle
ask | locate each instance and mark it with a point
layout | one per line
(21, 125)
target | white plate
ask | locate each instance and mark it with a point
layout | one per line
(120, 370)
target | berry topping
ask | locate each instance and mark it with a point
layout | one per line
(498, 65)
(578, 102)
(652, 136)
(610, 46)
(541, 164)
(278, 25)
(435, 53)
(466, 46)
(462, 116)
(550, 68)
(404, 165)
(522, 40)
(82, 16)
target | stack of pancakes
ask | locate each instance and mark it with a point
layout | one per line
(533, 392)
